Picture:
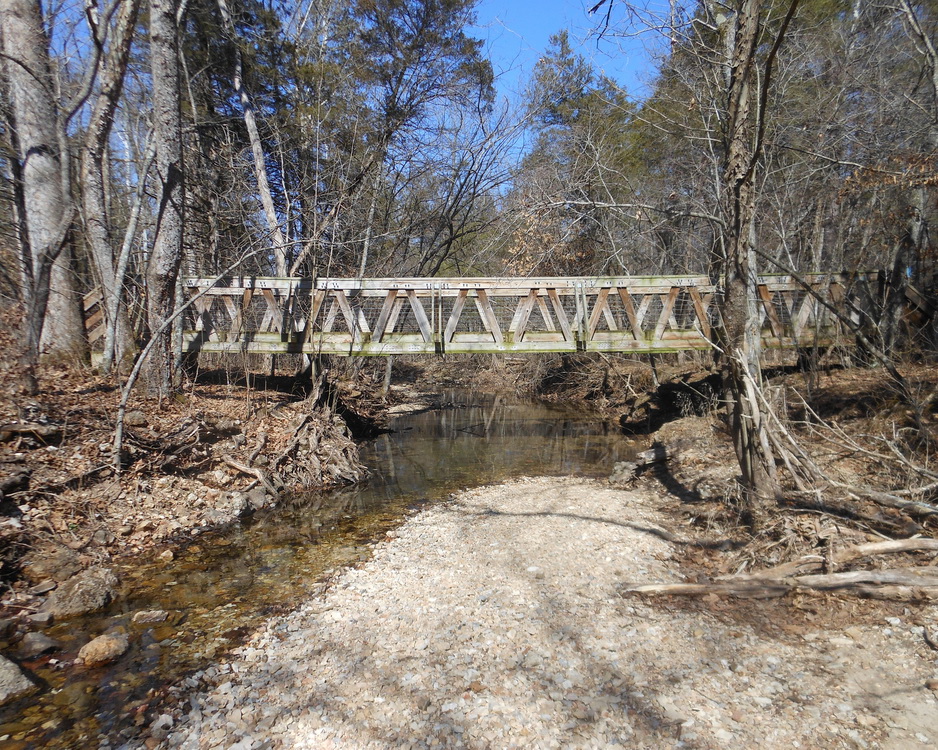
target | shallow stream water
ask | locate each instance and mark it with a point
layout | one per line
(223, 585)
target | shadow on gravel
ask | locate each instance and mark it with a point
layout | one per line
(721, 544)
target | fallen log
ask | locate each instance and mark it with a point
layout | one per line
(906, 584)
(808, 563)
(739, 589)
(898, 593)
(904, 577)
(43, 432)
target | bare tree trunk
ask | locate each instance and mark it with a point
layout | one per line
(742, 343)
(366, 243)
(95, 207)
(166, 255)
(47, 208)
(257, 148)
(63, 332)
(910, 246)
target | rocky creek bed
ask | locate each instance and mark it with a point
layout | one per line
(497, 620)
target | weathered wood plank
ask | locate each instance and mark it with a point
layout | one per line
(331, 316)
(488, 315)
(395, 314)
(384, 315)
(420, 314)
(598, 308)
(545, 313)
(700, 307)
(454, 315)
(522, 315)
(634, 322)
(667, 306)
(561, 315)
(766, 296)
(804, 315)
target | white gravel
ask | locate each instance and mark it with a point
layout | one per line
(493, 621)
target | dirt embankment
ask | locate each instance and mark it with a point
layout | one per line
(216, 452)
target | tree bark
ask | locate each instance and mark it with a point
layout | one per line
(95, 209)
(166, 254)
(257, 148)
(47, 207)
(742, 343)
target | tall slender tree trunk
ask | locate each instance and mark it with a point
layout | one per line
(95, 208)
(742, 372)
(257, 147)
(909, 248)
(46, 205)
(166, 254)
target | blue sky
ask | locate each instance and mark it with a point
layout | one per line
(517, 33)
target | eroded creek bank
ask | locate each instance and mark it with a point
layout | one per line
(224, 585)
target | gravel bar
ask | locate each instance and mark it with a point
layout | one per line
(494, 621)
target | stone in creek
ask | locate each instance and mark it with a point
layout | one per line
(13, 683)
(159, 729)
(258, 498)
(103, 649)
(149, 617)
(78, 697)
(42, 619)
(86, 592)
(164, 632)
(7, 627)
(44, 587)
(34, 644)
(59, 564)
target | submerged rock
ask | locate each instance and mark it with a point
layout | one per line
(40, 619)
(149, 616)
(85, 592)
(34, 644)
(103, 649)
(13, 683)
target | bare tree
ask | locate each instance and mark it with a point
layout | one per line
(257, 147)
(166, 254)
(96, 214)
(732, 50)
(47, 210)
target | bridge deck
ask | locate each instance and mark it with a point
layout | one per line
(376, 317)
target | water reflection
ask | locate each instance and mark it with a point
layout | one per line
(487, 440)
(225, 584)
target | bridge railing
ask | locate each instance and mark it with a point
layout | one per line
(374, 317)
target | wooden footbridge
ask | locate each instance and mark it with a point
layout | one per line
(376, 317)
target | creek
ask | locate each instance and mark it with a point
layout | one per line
(222, 585)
